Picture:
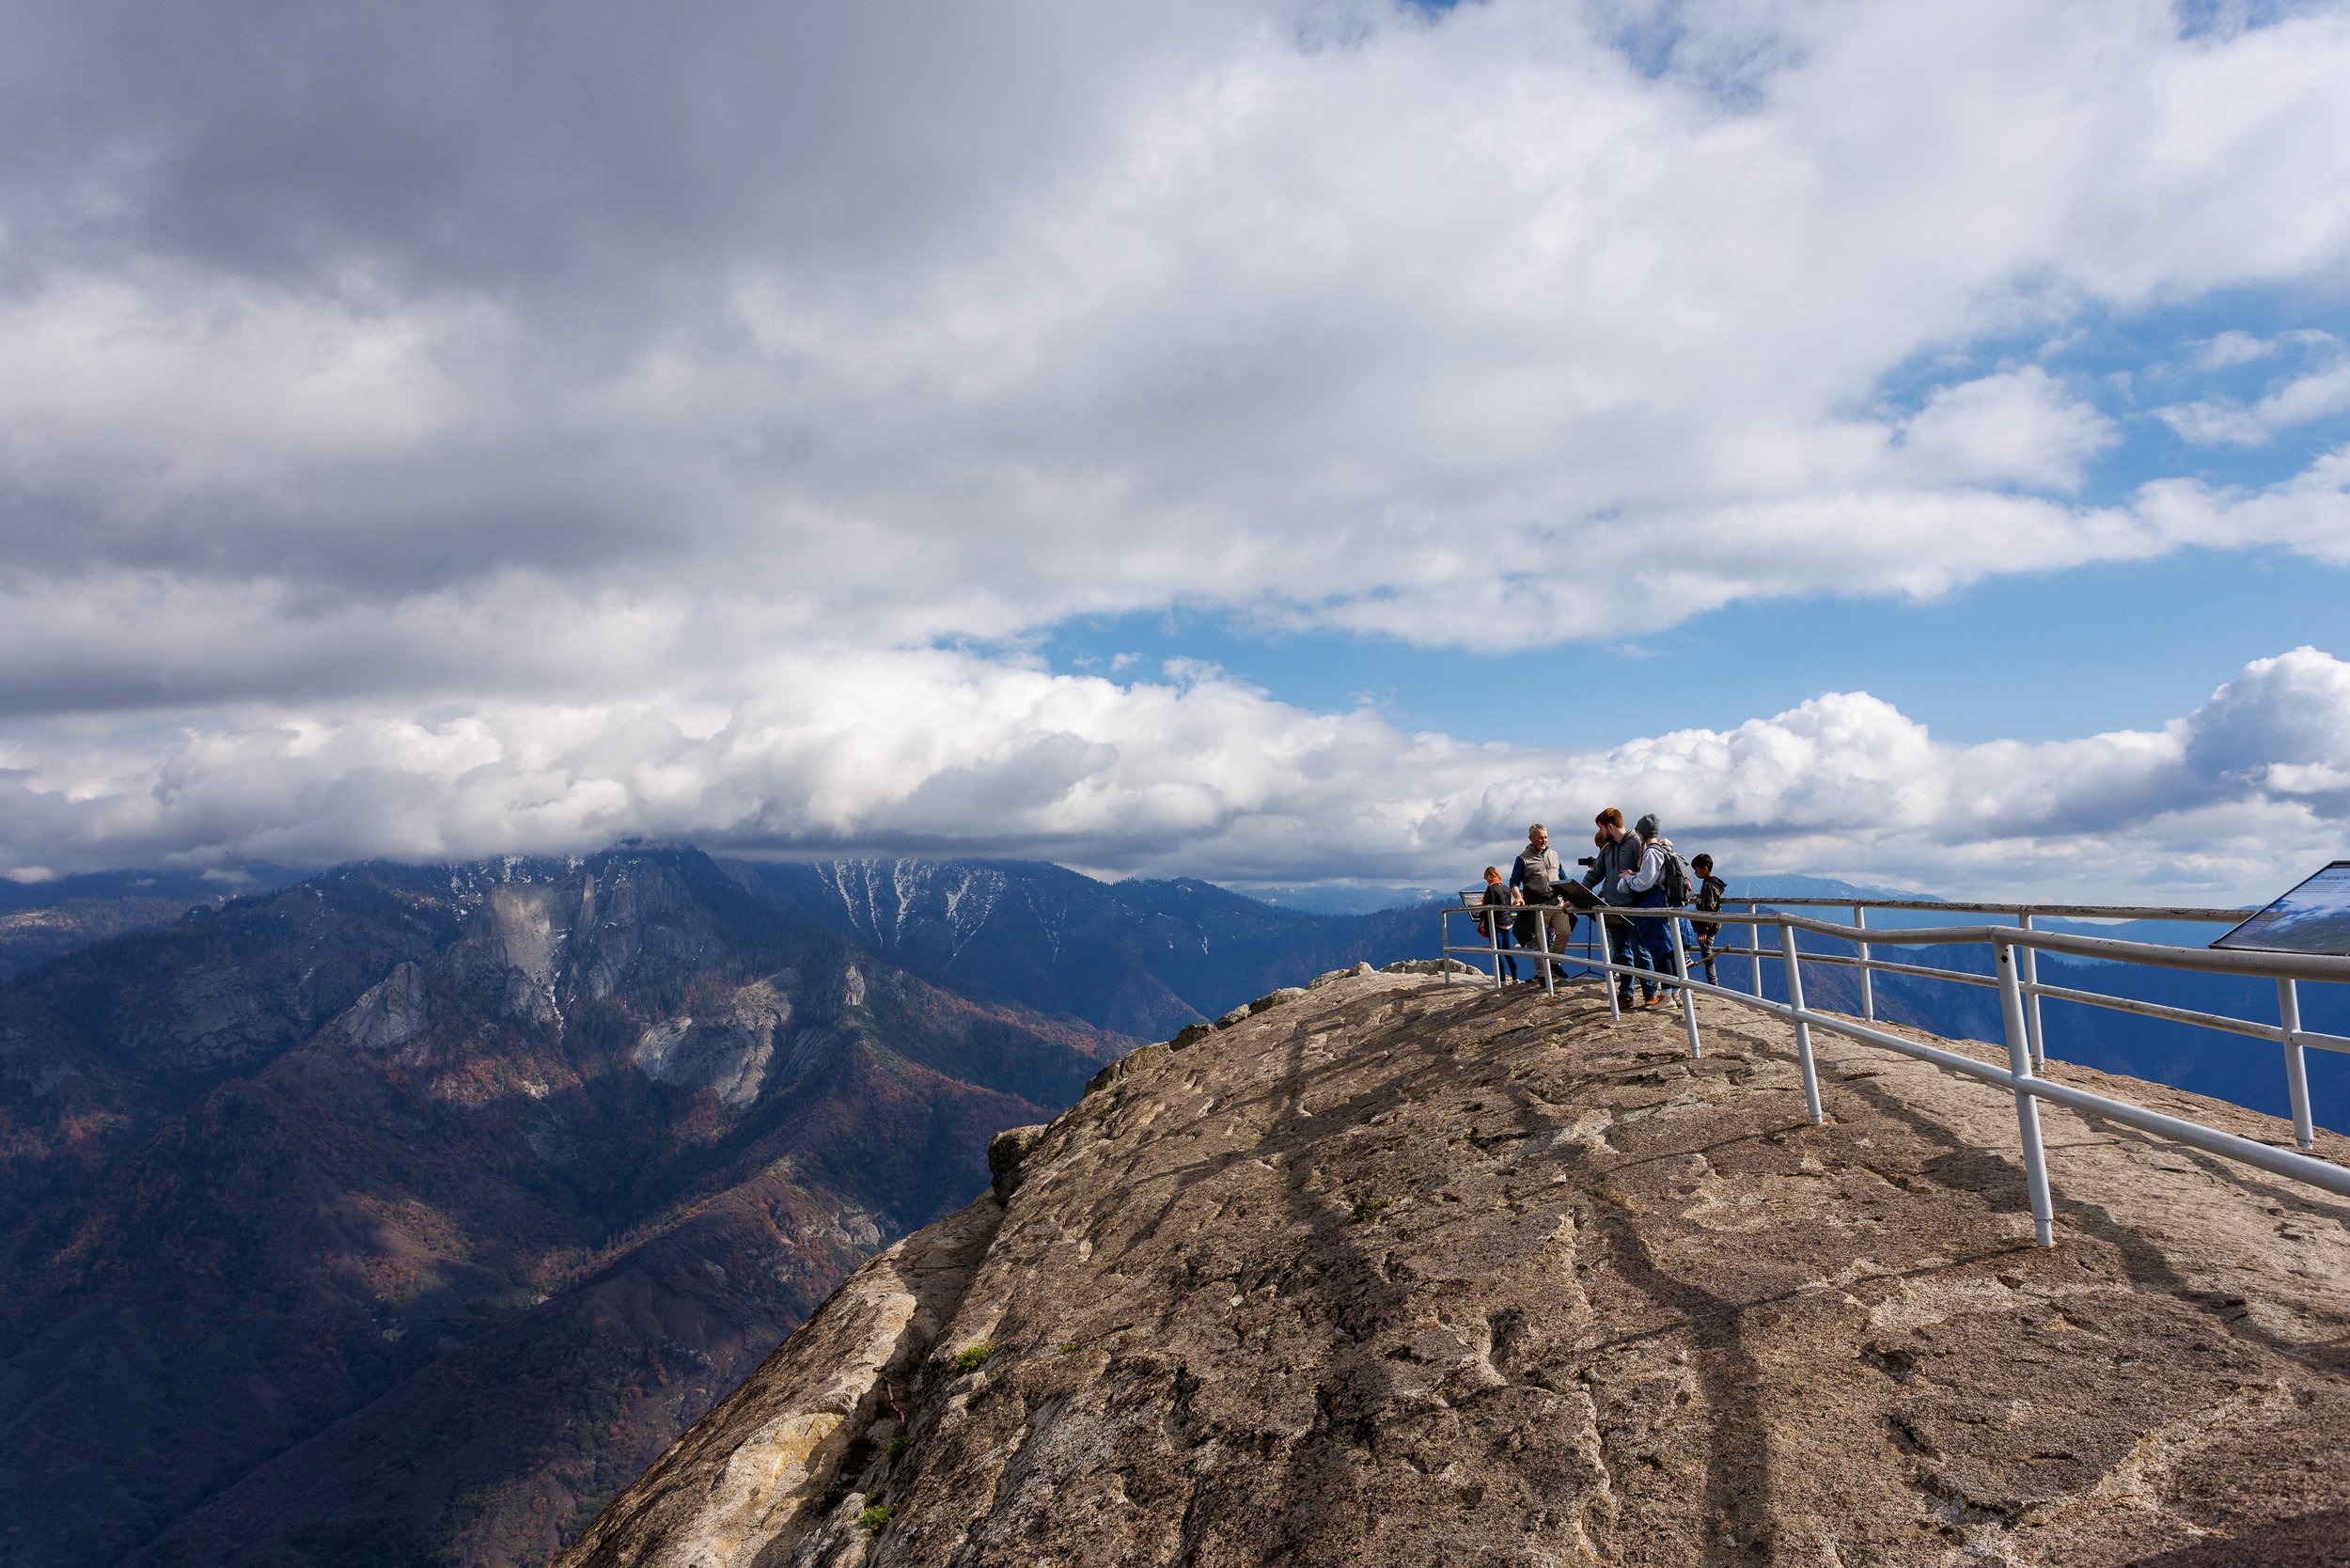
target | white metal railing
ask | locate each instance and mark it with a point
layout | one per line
(2014, 976)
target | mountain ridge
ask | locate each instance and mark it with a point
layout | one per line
(324, 1162)
(1144, 957)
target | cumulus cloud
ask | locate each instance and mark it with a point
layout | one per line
(2019, 427)
(908, 323)
(2215, 421)
(442, 428)
(951, 754)
(2308, 513)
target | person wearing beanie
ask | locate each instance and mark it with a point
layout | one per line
(1643, 887)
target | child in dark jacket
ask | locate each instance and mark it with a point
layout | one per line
(1710, 889)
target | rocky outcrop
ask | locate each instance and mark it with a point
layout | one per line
(765, 1456)
(729, 1054)
(1400, 1273)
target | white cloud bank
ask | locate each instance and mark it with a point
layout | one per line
(950, 754)
(441, 428)
(896, 323)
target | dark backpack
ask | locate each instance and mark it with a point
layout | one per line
(1677, 879)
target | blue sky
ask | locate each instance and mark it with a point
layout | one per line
(2036, 658)
(1189, 442)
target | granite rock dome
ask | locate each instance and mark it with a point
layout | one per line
(1400, 1273)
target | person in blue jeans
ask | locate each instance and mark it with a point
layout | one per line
(1618, 853)
(1643, 887)
(1498, 895)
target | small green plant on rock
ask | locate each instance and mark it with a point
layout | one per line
(898, 1446)
(1369, 1207)
(871, 1520)
(972, 1359)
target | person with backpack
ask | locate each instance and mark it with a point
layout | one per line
(1535, 876)
(1618, 853)
(1660, 881)
(1709, 899)
(1491, 925)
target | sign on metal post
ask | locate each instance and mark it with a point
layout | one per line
(2315, 917)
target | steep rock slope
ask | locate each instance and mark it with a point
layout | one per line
(1399, 1273)
(405, 1214)
(1142, 957)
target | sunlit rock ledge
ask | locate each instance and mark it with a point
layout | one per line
(1391, 1272)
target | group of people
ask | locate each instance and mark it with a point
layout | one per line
(1633, 870)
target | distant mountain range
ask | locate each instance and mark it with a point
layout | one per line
(402, 1214)
(41, 920)
(1142, 957)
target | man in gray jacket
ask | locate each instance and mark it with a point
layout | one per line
(1618, 853)
(1536, 876)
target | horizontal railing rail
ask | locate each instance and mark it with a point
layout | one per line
(2013, 951)
(2044, 911)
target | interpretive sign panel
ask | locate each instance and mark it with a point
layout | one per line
(2315, 917)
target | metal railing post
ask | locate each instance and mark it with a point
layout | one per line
(2031, 999)
(1542, 931)
(1688, 997)
(1754, 944)
(1492, 935)
(1444, 943)
(2019, 1062)
(1868, 992)
(1607, 968)
(1803, 1029)
(2297, 1065)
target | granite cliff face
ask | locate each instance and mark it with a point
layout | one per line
(1397, 1273)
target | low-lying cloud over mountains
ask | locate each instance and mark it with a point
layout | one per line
(961, 755)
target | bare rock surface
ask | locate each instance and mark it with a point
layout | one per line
(1400, 1273)
(761, 1459)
